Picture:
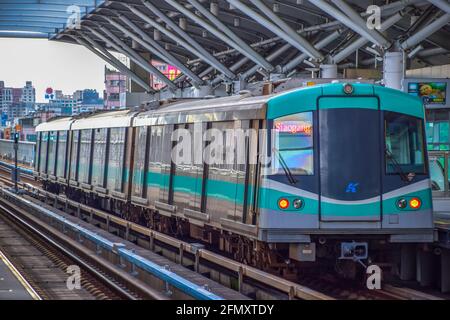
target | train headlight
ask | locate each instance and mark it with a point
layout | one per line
(415, 203)
(402, 203)
(283, 203)
(348, 88)
(297, 203)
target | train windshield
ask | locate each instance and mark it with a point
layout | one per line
(293, 144)
(404, 144)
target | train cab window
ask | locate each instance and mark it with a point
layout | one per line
(293, 144)
(404, 144)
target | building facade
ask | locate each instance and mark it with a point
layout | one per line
(115, 86)
(16, 102)
(169, 71)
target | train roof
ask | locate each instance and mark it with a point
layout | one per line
(60, 124)
(241, 107)
(111, 119)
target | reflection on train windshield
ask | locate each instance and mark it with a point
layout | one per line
(294, 144)
(404, 144)
(437, 175)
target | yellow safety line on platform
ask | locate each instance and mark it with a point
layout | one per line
(19, 277)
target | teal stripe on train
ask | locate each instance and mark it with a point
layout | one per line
(234, 193)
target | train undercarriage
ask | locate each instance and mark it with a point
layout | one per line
(344, 256)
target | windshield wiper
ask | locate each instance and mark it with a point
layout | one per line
(397, 166)
(286, 169)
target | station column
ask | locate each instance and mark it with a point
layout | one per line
(328, 71)
(393, 69)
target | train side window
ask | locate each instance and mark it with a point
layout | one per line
(43, 151)
(293, 144)
(61, 155)
(99, 157)
(37, 151)
(139, 161)
(116, 159)
(404, 144)
(85, 155)
(74, 155)
(52, 152)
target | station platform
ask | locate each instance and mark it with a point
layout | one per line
(11, 286)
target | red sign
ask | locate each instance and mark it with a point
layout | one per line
(49, 90)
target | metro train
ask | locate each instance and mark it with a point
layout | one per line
(334, 171)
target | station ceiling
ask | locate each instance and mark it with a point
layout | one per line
(215, 41)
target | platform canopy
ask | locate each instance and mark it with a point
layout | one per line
(239, 40)
(41, 18)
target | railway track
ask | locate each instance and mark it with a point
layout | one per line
(320, 289)
(43, 260)
(42, 269)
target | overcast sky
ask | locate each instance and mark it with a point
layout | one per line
(53, 64)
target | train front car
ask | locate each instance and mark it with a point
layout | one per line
(348, 172)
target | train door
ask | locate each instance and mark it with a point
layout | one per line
(350, 162)
(188, 167)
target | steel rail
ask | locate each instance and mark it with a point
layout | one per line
(67, 252)
(28, 287)
(292, 289)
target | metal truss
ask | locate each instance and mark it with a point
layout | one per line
(228, 41)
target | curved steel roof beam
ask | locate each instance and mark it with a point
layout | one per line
(208, 58)
(293, 40)
(279, 51)
(308, 48)
(169, 59)
(186, 40)
(239, 44)
(123, 48)
(361, 41)
(425, 32)
(319, 45)
(109, 58)
(168, 56)
(233, 68)
(344, 19)
(356, 17)
(329, 26)
(205, 25)
(441, 4)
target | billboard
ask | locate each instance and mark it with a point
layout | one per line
(430, 92)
